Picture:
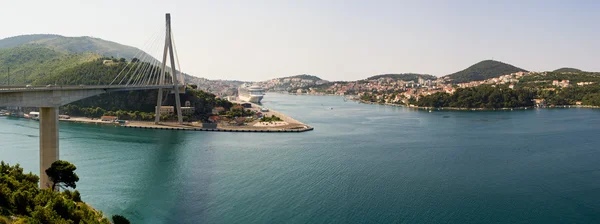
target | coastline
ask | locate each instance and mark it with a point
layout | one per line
(478, 109)
(287, 124)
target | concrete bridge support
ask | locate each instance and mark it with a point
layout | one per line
(48, 142)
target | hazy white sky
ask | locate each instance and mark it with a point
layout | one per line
(335, 39)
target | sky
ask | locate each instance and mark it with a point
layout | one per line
(333, 39)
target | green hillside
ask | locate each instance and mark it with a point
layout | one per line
(403, 77)
(72, 45)
(484, 70)
(30, 64)
(560, 70)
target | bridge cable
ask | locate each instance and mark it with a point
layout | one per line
(140, 72)
(131, 61)
(147, 72)
(155, 63)
(137, 56)
(141, 65)
(153, 67)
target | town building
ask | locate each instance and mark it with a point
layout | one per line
(217, 110)
(188, 110)
(166, 109)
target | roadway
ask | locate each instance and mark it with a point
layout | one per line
(13, 89)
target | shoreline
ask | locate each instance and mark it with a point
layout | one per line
(478, 109)
(287, 124)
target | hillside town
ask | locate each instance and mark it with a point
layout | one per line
(390, 90)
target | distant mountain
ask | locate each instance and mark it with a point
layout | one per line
(304, 76)
(560, 70)
(404, 77)
(484, 70)
(72, 45)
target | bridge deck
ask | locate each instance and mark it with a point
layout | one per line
(13, 89)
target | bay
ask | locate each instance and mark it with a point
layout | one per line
(361, 164)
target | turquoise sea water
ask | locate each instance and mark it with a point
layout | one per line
(361, 164)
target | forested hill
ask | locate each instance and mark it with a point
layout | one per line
(561, 70)
(30, 64)
(304, 76)
(484, 70)
(72, 45)
(404, 77)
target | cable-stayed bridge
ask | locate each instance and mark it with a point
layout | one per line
(141, 73)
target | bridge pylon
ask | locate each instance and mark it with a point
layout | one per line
(168, 51)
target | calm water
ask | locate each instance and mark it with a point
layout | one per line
(361, 164)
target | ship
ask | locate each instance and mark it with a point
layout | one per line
(252, 94)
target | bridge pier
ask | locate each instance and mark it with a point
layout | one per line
(48, 142)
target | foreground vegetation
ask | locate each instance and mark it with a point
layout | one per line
(21, 201)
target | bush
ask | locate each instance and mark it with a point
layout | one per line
(273, 118)
(119, 219)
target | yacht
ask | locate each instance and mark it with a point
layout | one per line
(252, 94)
(34, 115)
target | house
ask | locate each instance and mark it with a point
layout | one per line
(563, 83)
(214, 119)
(237, 107)
(578, 103)
(108, 118)
(108, 62)
(188, 110)
(539, 102)
(240, 120)
(246, 105)
(217, 110)
(511, 86)
(166, 109)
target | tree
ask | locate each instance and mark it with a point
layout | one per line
(62, 172)
(119, 219)
(134, 60)
(23, 201)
